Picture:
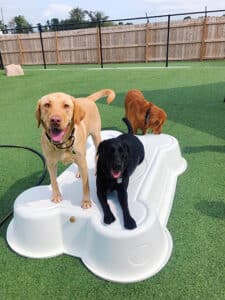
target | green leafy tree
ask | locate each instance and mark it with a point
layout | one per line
(1, 26)
(96, 16)
(78, 18)
(53, 24)
(77, 15)
(22, 25)
(75, 20)
(127, 23)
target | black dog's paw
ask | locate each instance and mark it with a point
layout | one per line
(130, 223)
(109, 219)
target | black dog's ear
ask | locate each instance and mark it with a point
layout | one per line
(126, 149)
(126, 158)
(100, 150)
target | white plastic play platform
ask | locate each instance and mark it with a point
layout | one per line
(41, 228)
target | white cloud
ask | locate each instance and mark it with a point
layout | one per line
(171, 6)
(55, 10)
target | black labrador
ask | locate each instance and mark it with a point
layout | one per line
(117, 159)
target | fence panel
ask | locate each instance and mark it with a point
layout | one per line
(215, 41)
(78, 46)
(157, 41)
(124, 43)
(185, 39)
(191, 39)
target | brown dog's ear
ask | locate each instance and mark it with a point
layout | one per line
(38, 114)
(78, 112)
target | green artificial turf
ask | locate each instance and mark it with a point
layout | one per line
(193, 96)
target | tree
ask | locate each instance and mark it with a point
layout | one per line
(96, 16)
(77, 15)
(1, 26)
(53, 24)
(77, 19)
(22, 25)
(128, 23)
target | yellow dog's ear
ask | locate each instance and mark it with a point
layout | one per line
(78, 112)
(38, 114)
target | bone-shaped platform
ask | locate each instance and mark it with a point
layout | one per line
(41, 228)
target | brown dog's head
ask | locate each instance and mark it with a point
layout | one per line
(155, 117)
(57, 113)
(143, 114)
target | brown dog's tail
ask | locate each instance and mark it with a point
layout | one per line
(103, 93)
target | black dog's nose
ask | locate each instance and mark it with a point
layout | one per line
(117, 166)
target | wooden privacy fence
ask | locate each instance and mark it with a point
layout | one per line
(191, 39)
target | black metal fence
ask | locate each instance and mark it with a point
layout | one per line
(40, 28)
(1, 62)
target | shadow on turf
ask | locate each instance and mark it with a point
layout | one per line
(110, 128)
(213, 209)
(210, 148)
(200, 107)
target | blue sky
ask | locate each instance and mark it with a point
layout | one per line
(43, 10)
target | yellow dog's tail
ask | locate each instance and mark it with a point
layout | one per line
(103, 93)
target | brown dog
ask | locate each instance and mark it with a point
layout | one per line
(66, 123)
(143, 114)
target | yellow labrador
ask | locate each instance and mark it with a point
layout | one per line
(66, 123)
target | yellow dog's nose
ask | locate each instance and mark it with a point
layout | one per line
(55, 121)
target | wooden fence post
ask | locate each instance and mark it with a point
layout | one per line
(204, 36)
(57, 48)
(147, 41)
(21, 54)
(98, 45)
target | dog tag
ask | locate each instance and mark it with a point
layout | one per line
(119, 180)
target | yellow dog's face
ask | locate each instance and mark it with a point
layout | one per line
(56, 112)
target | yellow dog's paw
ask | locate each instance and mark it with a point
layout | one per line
(86, 204)
(56, 198)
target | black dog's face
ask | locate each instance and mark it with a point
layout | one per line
(113, 157)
